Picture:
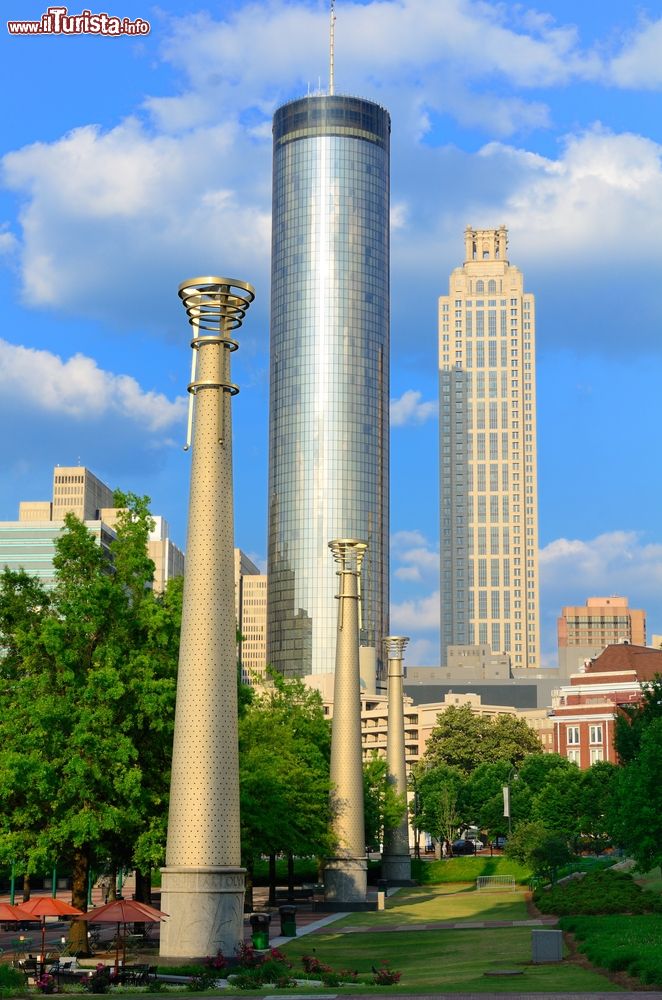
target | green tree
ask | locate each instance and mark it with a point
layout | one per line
(509, 739)
(597, 792)
(533, 844)
(633, 720)
(484, 796)
(383, 807)
(457, 739)
(441, 793)
(465, 740)
(559, 804)
(89, 708)
(284, 751)
(636, 815)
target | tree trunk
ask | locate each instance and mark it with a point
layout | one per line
(78, 940)
(248, 896)
(290, 877)
(272, 880)
(26, 888)
(112, 887)
(144, 886)
(143, 894)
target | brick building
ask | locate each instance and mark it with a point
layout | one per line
(584, 712)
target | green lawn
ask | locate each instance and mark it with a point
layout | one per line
(425, 904)
(448, 961)
(466, 869)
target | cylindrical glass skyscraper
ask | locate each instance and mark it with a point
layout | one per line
(328, 443)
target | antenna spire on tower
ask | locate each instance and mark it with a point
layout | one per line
(332, 32)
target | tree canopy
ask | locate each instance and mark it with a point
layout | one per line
(463, 739)
(284, 751)
(87, 691)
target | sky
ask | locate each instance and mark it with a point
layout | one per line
(130, 163)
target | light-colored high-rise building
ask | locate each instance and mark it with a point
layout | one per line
(250, 590)
(584, 630)
(329, 440)
(489, 495)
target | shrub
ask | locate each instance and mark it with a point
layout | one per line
(313, 965)
(11, 981)
(203, 981)
(99, 981)
(385, 975)
(216, 961)
(598, 892)
(610, 942)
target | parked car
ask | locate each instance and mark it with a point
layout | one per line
(464, 847)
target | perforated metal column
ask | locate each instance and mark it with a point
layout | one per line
(203, 882)
(345, 876)
(396, 862)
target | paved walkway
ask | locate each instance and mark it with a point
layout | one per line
(449, 925)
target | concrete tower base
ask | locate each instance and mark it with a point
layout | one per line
(396, 869)
(207, 911)
(346, 880)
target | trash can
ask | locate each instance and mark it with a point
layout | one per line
(260, 928)
(288, 921)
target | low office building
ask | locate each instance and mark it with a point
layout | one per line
(29, 543)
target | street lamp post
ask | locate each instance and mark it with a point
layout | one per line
(417, 845)
(512, 776)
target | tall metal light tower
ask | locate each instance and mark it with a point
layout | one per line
(396, 862)
(345, 876)
(203, 881)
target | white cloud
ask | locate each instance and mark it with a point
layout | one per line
(603, 190)
(421, 653)
(409, 409)
(617, 562)
(109, 217)
(403, 539)
(78, 388)
(419, 561)
(8, 242)
(639, 64)
(112, 220)
(421, 615)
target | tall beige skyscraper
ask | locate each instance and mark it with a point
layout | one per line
(489, 493)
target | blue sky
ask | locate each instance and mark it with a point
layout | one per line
(130, 164)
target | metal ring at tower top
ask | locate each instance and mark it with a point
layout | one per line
(214, 303)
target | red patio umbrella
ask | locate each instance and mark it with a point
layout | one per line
(122, 911)
(11, 912)
(47, 906)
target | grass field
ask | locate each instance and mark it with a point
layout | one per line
(449, 961)
(425, 904)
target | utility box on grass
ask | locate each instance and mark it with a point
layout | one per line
(547, 946)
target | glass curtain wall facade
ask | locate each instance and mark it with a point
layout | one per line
(488, 477)
(328, 447)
